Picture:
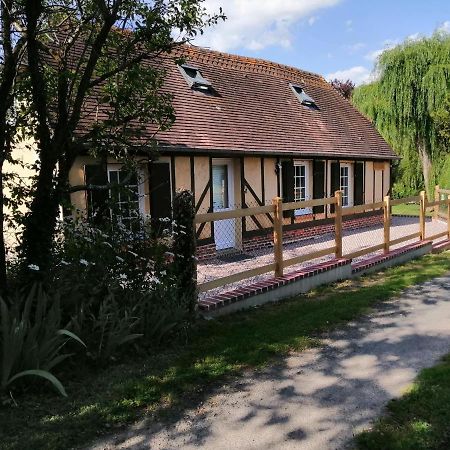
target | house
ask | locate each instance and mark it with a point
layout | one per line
(246, 131)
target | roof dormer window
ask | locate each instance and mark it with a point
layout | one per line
(195, 79)
(303, 97)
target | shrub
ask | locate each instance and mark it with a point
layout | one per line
(120, 286)
(31, 338)
(185, 246)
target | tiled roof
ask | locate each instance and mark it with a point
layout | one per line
(256, 111)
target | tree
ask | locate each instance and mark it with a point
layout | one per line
(11, 54)
(91, 87)
(441, 118)
(345, 88)
(414, 80)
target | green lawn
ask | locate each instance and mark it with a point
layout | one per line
(110, 397)
(408, 209)
(420, 420)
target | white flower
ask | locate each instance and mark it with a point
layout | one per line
(33, 267)
(123, 276)
(84, 262)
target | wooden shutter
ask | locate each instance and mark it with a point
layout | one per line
(318, 184)
(160, 190)
(358, 195)
(287, 184)
(96, 199)
(335, 178)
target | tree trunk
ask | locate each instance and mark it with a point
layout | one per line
(41, 221)
(425, 160)
(3, 277)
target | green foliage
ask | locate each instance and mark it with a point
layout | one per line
(121, 286)
(31, 338)
(414, 79)
(420, 420)
(185, 246)
(442, 120)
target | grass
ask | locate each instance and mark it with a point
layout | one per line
(420, 420)
(165, 383)
(408, 209)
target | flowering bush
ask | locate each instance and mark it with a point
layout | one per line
(122, 285)
(118, 285)
(110, 257)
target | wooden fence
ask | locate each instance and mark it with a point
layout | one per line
(277, 208)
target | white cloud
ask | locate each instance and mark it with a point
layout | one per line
(358, 74)
(444, 27)
(256, 24)
(349, 25)
(414, 37)
(387, 44)
(354, 48)
(312, 20)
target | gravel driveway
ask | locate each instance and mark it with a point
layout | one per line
(319, 398)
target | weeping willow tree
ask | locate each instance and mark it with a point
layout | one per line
(413, 82)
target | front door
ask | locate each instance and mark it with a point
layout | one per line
(223, 200)
(301, 186)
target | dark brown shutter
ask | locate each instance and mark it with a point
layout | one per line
(318, 184)
(97, 199)
(287, 184)
(335, 178)
(160, 190)
(359, 184)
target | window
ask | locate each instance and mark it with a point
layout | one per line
(345, 181)
(220, 186)
(125, 204)
(195, 79)
(303, 97)
(300, 183)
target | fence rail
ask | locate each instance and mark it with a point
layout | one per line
(276, 212)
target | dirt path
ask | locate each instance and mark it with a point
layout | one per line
(317, 399)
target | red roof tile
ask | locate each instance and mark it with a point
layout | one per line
(256, 111)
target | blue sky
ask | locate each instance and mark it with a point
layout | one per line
(332, 37)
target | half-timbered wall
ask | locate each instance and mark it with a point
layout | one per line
(256, 182)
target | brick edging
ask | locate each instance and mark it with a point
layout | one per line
(223, 299)
(379, 259)
(220, 300)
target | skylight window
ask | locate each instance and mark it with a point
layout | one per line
(195, 79)
(303, 97)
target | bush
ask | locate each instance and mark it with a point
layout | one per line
(31, 338)
(121, 286)
(118, 285)
(185, 247)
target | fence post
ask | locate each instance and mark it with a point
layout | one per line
(387, 223)
(422, 215)
(448, 216)
(437, 197)
(278, 236)
(338, 224)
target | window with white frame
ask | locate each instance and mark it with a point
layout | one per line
(299, 182)
(345, 179)
(126, 197)
(301, 185)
